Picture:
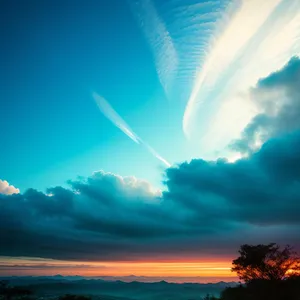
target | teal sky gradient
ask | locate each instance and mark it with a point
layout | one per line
(177, 72)
(55, 55)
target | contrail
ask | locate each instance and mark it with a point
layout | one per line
(254, 39)
(114, 117)
(153, 152)
(117, 120)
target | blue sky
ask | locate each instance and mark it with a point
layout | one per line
(54, 56)
(177, 72)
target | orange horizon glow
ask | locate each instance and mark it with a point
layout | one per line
(33, 266)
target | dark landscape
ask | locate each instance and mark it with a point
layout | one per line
(55, 286)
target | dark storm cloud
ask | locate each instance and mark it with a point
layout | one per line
(263, 189)
(207, 208)
(103, 217)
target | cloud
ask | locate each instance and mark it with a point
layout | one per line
(278, 100)
(159, 39)
(116, 119)
(208, 208)
(7, 189)
(244, 50)
(45, 266)
(191, 25)
(245, 190)
(99, 217)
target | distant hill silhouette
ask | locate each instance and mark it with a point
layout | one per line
(118, 290)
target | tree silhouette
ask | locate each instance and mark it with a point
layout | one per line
(266, 262)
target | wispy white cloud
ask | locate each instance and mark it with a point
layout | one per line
(7, 189)
(117, 120)
(159, 39)
(190, 25)
(259, 37)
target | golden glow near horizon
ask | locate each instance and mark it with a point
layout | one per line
(35, 266)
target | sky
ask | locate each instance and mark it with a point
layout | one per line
(147, 137)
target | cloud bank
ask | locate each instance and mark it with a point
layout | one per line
(207, 208)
